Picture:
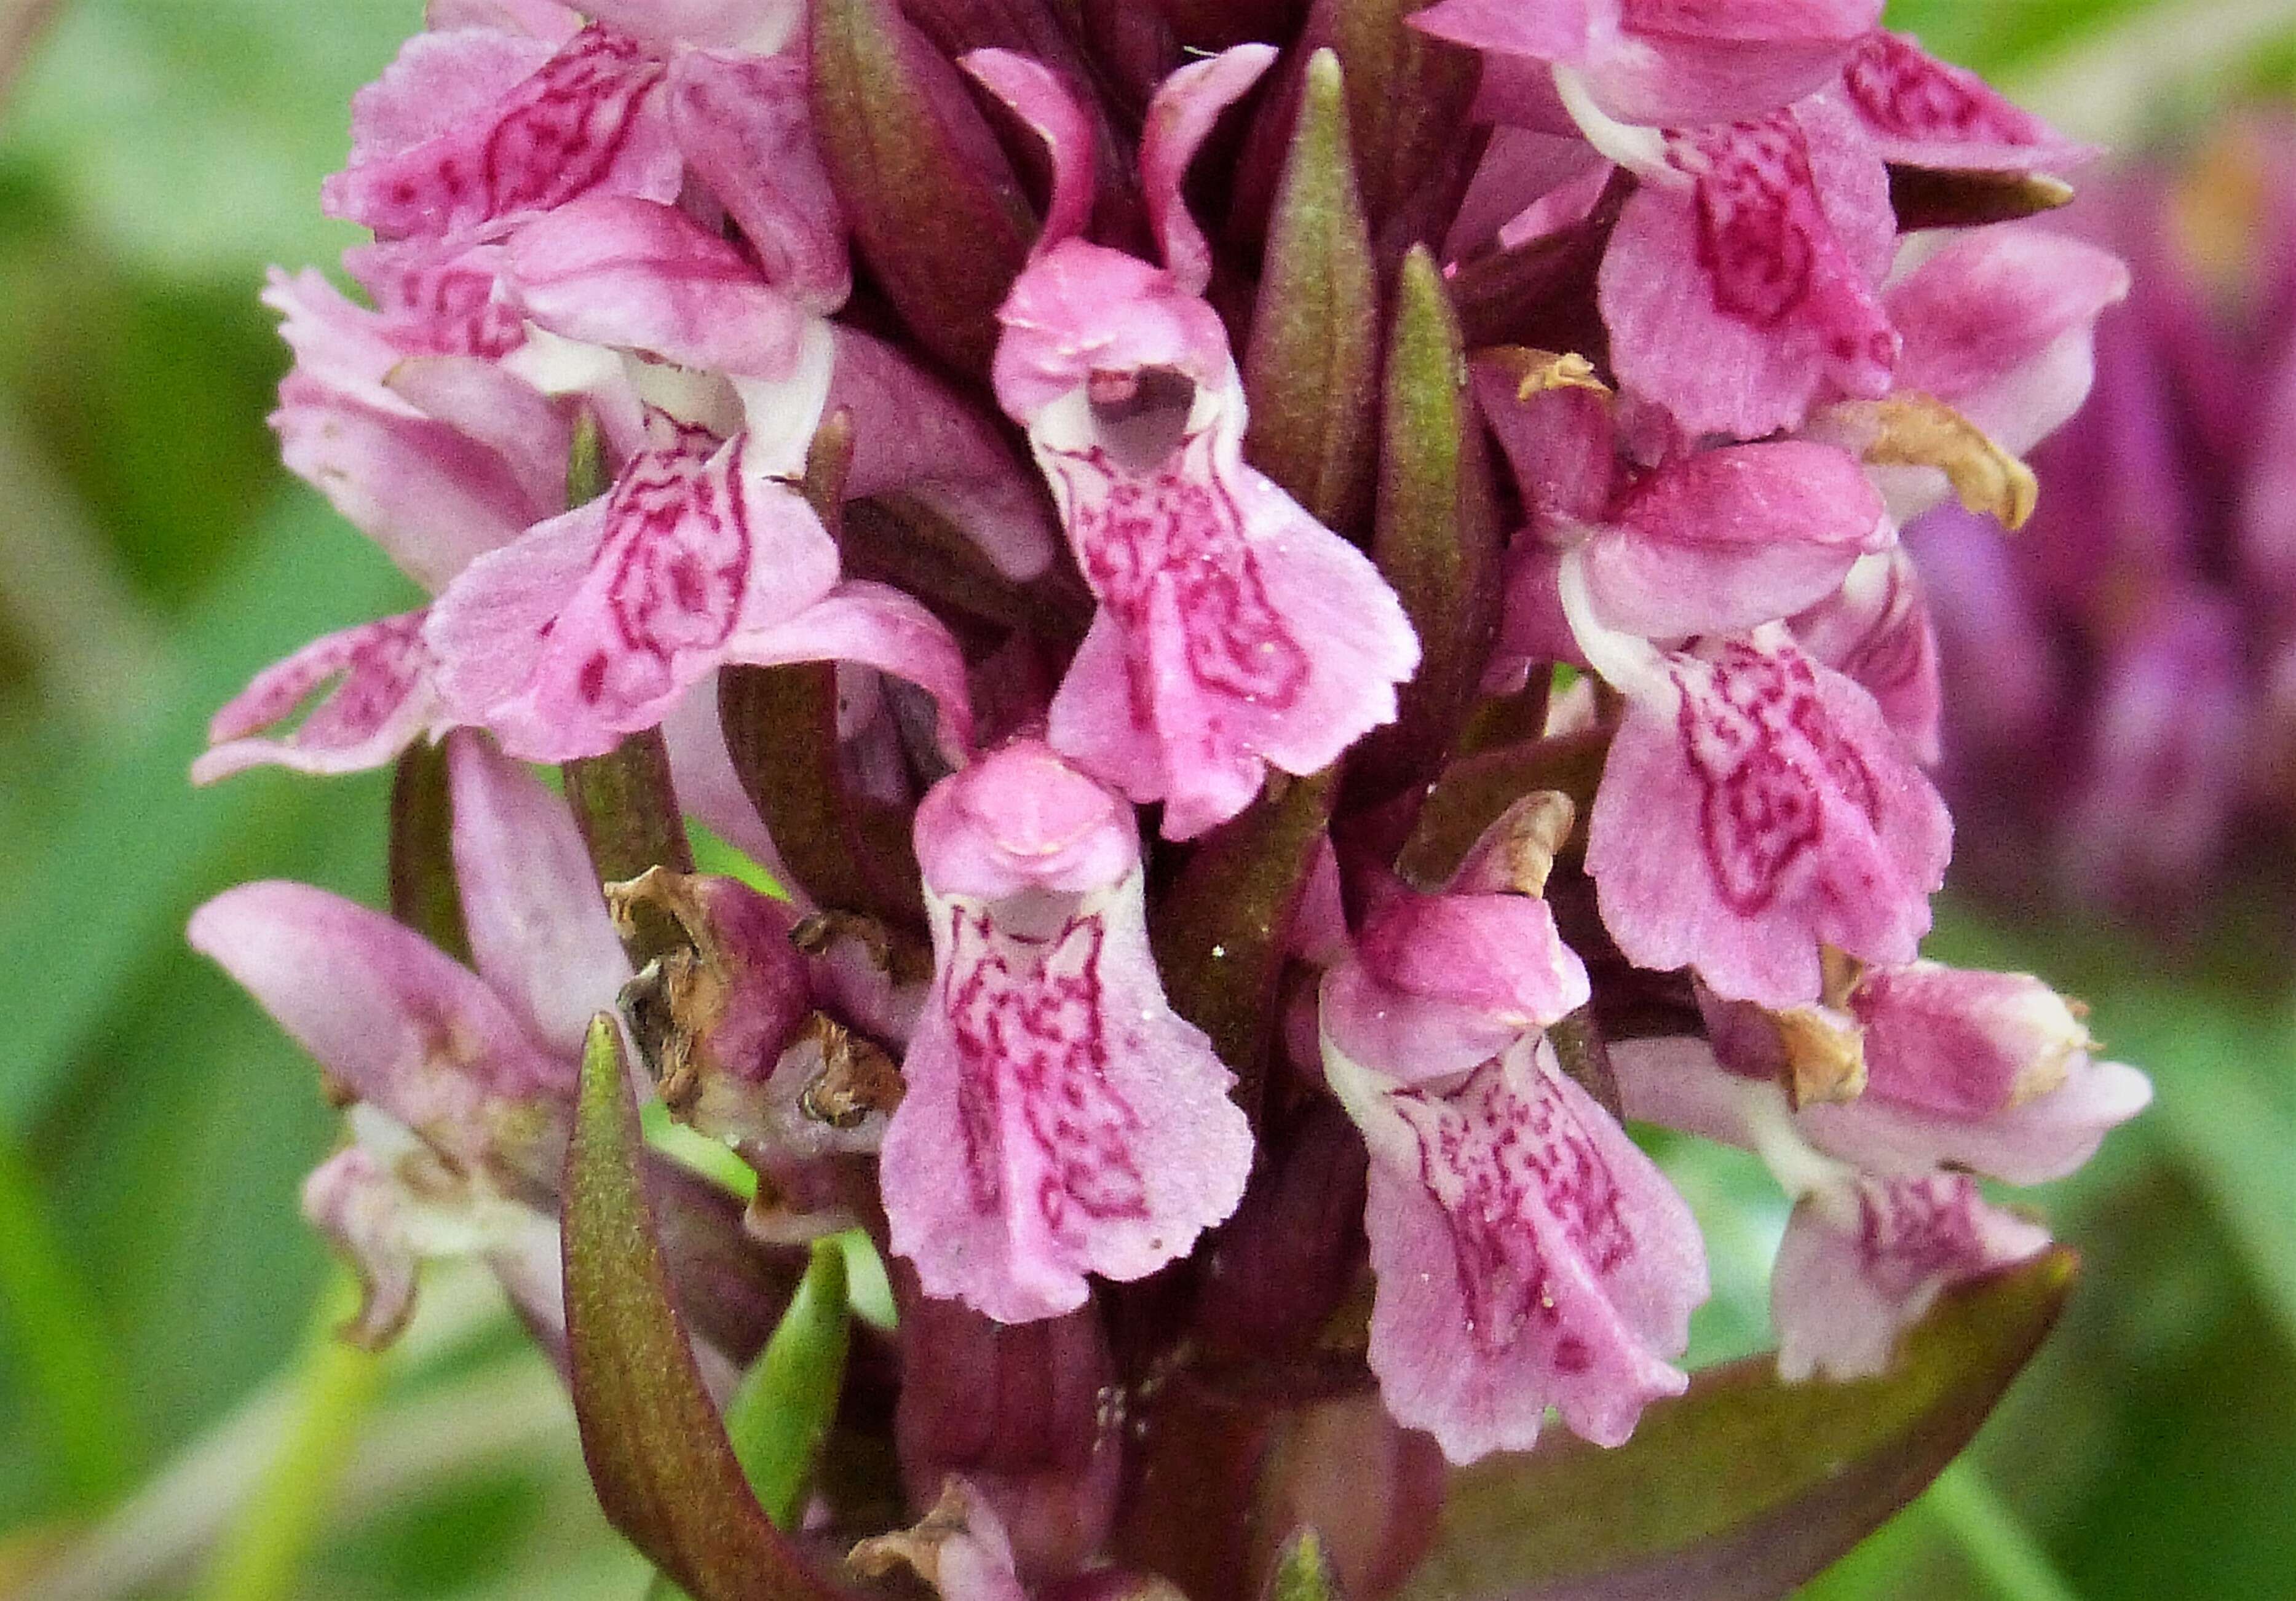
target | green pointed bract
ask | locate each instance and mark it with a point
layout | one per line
(1303, 1573)
(779, 1419)
(941, 240)
(424, 895)
(1744, 1487)
(1475, 791)
(1221, 930)
(626, 807)
(586, 477)
(1310, 371)
(1435, 534)
(1408, 96)
(659, 1455)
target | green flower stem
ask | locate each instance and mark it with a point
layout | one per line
(2009, 1559)
(261, 1553)
(57, 1331)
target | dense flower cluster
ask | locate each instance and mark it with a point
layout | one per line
(1224, 870)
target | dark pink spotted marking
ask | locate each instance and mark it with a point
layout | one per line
(1912, 1230)
(677, 540)
(1032, 1036)
(1759, 740)
(1491, 1151)
(1764, 241)
(375, 666)
(1176, 528)
(1907, 94)
(554, 136)
(450, 303)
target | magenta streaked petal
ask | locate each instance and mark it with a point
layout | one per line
(1924, 112)
(1755, 806)
(537, 924)
(1862, 1261)
(588, 118)
(441, 80)
(379, 698)
(1743, 288)
(1528, 1254)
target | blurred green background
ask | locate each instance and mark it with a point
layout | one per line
(169, 1411)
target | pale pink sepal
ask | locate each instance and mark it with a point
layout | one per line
(1664, 63)
(1863, 1259)
(383, 1011)
(1755, 805)
(1034, 94)
(758, 26)
(440, 80)
(1179, 120)
(634, 274)
(1919, 111)
(379, 697)
(1439, 984)
(2000, 324)
(1527, 1255)
(1741, 285)
(2033, 1142)
(745, 124)
(1875, 629)
(537, 924)
(529, 431)
(540, 19)
(1061, 1120)
(1724, 540)
(588, 118)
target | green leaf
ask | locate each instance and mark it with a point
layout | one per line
(666, 1473)
(941, 240)
(1744, 1487)
(1435, 534)
(1309, 372)
(781, 1415)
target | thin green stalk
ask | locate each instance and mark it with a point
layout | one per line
(2010, 1560)
(261, 1554)
(59, 1333)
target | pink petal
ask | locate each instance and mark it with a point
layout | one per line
(379, 698)
(1038, 96)
(1439, 984)
(1252, 635)
(630, 273)
(1724, 540)
(1736, 300)
(1061, 1120)
(1686, 62)
(2000, 324)
(746, 126)
(2033, 1142)
(1875, 630)
(1023, 819)
(441, 80)
(1921, 111)
(1760, 807)
(1861, 1264)
(1180, 118)
(385, 1014)
(438, 296)
(875, 625)
(588, 118)
(540, 19)
(593, 624)
(529, 432)
(536, 921)
(1558, 440)
(762, 26)
(1081, 309)
(1528, 1254)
